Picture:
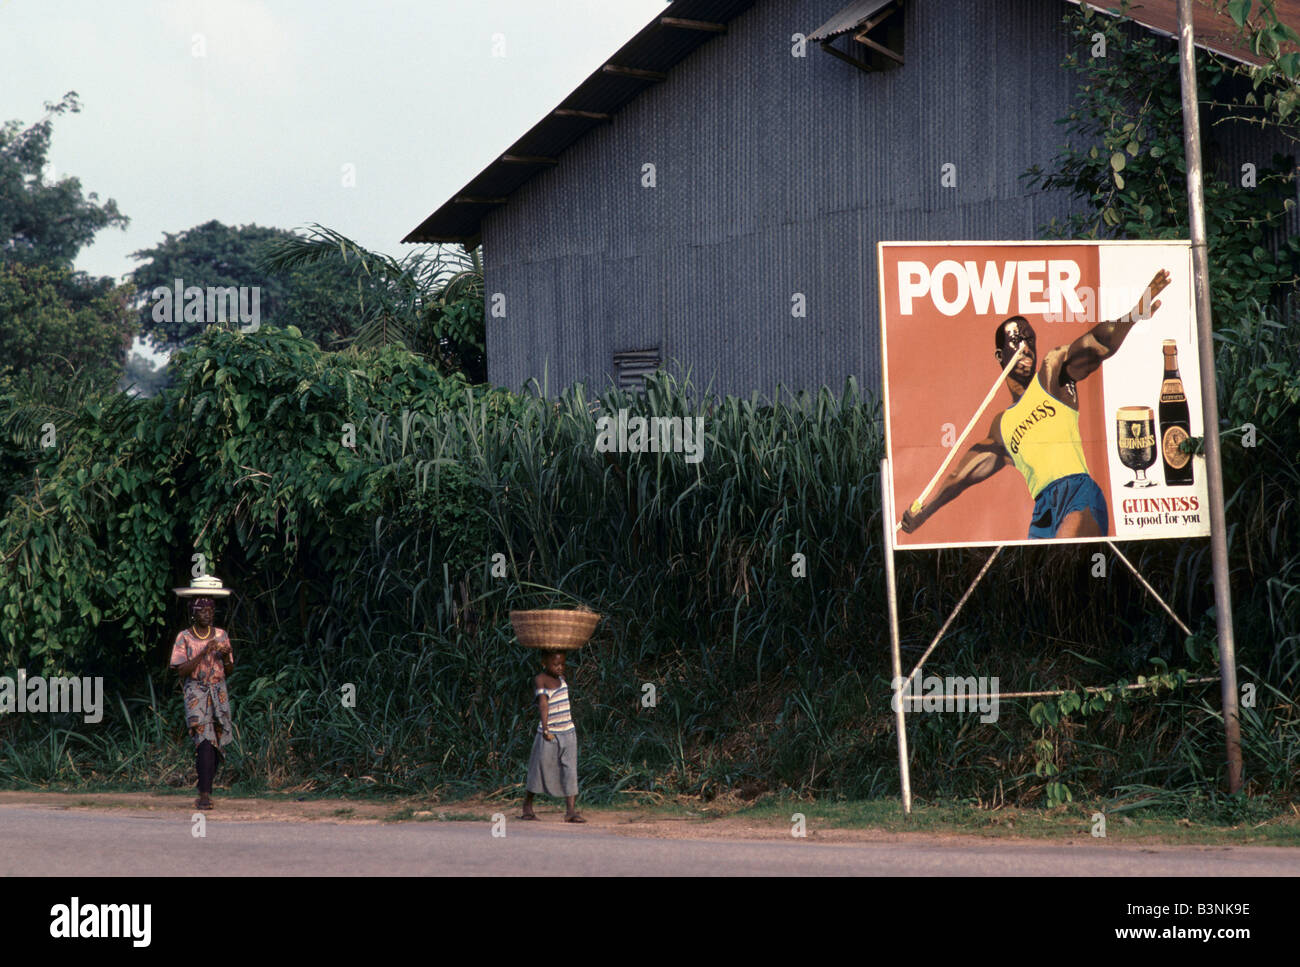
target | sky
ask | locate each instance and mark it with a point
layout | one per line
(263, 112)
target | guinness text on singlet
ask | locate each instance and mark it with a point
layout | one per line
(1042, 436)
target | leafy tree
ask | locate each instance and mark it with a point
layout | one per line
(55, 324)
(1124, 159)
(143, 378)
(1275, 92)
(430, 303)
(248, 458)
(42, 221)
(41, 328)
(317, 299)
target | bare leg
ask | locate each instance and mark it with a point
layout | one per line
(528, 807)
(571, 814)
(1079, 523)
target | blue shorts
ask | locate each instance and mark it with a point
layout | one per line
(1078, 491)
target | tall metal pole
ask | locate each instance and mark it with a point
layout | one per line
(891, 597)
(1209, 395)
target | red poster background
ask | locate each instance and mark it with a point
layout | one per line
(938, 369)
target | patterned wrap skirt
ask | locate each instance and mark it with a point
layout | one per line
(207, 713)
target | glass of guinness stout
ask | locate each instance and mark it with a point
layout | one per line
(1135, 434)
(1175, 426)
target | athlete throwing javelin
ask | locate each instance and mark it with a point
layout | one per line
(1039, 433)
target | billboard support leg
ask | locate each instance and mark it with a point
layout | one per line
(891, 597)
(1150, 590)
(952, 617)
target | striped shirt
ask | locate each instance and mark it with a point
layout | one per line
(558, 718)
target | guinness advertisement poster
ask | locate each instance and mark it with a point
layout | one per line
(1041, 391)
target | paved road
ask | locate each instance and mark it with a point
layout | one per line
(67, 843)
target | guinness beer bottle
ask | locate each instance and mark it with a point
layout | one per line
(1175, 426)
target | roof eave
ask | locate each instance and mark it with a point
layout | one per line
(619, 80)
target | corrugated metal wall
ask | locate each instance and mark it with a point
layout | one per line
(775, 175)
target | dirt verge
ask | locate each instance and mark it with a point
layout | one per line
(662, 822)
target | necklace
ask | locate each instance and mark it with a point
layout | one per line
(199, 636)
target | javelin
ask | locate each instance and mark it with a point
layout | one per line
(920, 501)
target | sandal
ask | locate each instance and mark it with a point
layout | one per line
(575, 818)
(200, 804)
(528, 816)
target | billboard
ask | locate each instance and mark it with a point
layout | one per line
(1040, 391)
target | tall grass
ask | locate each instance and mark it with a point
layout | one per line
(747, 589)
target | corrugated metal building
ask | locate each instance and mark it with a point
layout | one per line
(774, 175)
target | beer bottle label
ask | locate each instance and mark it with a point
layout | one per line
(1173, 437)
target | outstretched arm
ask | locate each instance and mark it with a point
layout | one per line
(1087, 353)
(982, 461)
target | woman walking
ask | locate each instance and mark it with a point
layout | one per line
(203, 658)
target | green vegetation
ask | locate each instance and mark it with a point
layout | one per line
(55, 323)
(319, 300)
(1124, 162)
(1178, 818)
(376, 567)
(44, 218)
(430, 300)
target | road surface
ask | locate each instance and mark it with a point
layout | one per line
(62, 842)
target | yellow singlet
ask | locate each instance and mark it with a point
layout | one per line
(1042, 436)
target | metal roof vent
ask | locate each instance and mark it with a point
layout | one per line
(876, 27)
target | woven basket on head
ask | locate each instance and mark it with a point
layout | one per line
(556, 628)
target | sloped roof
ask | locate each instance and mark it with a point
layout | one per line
(644, 60)
(672, 36)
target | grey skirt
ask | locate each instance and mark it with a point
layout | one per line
(553, 766)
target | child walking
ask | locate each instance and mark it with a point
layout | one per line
(553, 767)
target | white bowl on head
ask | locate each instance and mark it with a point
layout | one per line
(204, 586)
